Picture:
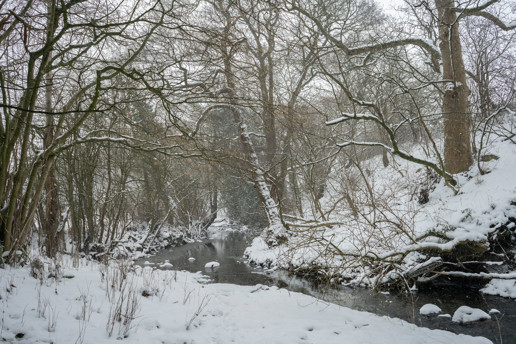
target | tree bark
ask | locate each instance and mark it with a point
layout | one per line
(458, 156)
(51, 220)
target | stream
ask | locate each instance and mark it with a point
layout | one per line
(227, 248)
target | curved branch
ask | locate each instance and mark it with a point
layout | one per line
(479, 12)
(478, 8)
(391, 133)
(373, 48)
(494, 19)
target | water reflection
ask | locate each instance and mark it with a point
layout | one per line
(226, 248)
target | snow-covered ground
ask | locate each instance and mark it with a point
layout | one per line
(92, 303)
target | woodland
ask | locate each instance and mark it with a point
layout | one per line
(134, 116)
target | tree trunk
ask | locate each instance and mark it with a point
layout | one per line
(51, 220)
(458, 156)
(275, 231)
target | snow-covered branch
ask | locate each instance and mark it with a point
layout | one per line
(348, 116)
(370, 144)
(482, 275)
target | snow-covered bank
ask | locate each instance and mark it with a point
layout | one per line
(139, 241)
(505, 288)
(89, 301)
(393, 234)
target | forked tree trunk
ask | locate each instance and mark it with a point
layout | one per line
(458, 156)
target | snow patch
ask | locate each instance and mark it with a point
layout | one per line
(259, 253)
(429, 309)
(505, 288)
(465, 315)
(166, 265)
(212, 265)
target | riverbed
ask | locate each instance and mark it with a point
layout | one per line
(227, 247)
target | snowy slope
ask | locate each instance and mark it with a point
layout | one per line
(180, 308)
(397, 226)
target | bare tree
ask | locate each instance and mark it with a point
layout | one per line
(458, 155)
(64, 40)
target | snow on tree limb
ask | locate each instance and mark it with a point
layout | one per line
(482, 275)
(371, 144)
(348, 116)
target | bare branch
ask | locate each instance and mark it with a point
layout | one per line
(373, 48)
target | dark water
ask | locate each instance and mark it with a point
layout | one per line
(227, 248)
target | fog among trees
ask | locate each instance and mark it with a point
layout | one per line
(118, 115)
